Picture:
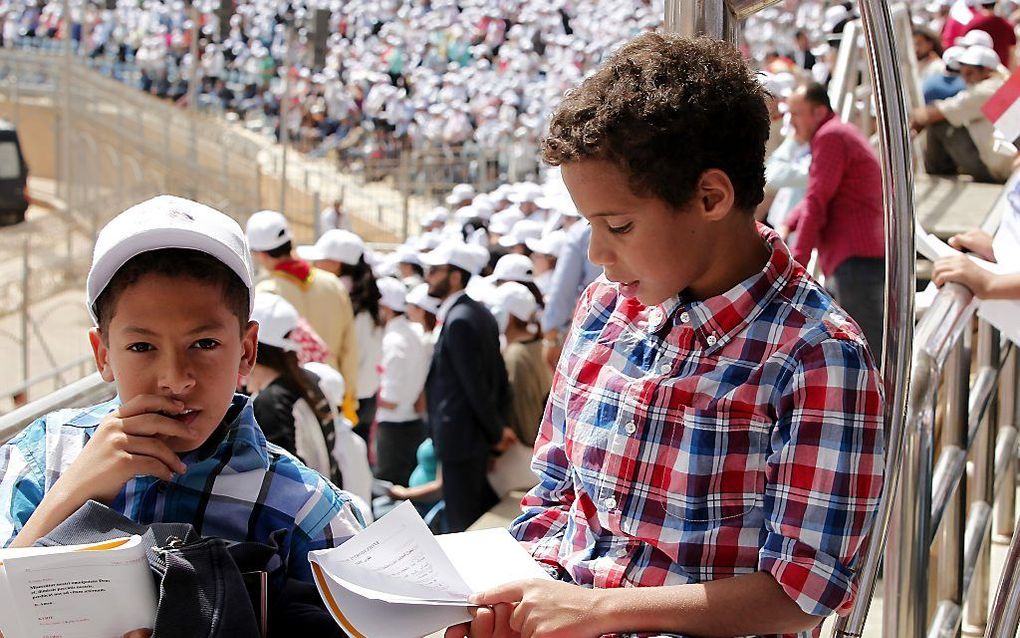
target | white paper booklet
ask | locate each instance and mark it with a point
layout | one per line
(100, 590)
(396, 580)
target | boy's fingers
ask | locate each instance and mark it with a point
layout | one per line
(502, 628)
(483, 624)
(145, 446)
(150, 466)
(149, 424)
(508, 593)
(149, 403)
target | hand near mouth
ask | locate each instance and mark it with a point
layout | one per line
(131, 441)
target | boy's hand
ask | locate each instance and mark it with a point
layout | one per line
(962, 270)
(129, 442)
(533, 608)
(976, 241)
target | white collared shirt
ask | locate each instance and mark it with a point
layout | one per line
(404, 368)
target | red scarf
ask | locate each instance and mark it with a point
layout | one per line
(295, 268)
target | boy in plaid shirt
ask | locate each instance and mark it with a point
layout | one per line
(711, 455)
(170, 292)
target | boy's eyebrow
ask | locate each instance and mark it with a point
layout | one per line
(607, 213)
(211, 325)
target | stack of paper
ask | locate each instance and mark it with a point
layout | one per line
(100, 590)
(396, 580)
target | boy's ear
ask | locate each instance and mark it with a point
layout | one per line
(101, 352)
(715, 194)
(249, 348)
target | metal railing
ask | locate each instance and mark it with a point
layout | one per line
(92, 389)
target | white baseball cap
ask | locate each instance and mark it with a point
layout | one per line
(978, 55)
(521, 232)
(276, 318)
(503, 222)
(331, 382)
(461, 193)
(514, 268)
(550, 244)
(419, 296)
(526, 192)
(453, 253)
(951, 57)
(266, 230)
(336, 244)
(167, 222)
(517, 300)
(977, 37)
(393, 294)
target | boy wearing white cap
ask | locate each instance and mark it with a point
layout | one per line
(170, 292)
(961, 138)
(317, 295)
(404, 367)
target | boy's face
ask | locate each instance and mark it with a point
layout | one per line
(176, 337)
(650, 249)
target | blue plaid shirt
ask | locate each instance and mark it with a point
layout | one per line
(237, 486)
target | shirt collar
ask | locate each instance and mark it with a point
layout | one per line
(717, 319)
(444, 308)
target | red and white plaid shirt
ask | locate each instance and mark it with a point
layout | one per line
(694, 441)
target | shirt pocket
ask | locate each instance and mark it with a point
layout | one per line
(714, 466)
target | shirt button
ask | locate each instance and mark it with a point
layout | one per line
(630, 428)
(654, 317)
(666, 368)
(711, 340)
(685, 317)
(610, 503)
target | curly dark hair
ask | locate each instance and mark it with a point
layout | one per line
(665, 109)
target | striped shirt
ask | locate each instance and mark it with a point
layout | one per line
(237, 486)
(695, 441)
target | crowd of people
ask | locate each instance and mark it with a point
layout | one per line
(445, 346)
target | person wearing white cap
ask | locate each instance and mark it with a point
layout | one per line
(960, 138)
(349, 449)
(404, 367)
(421, 310)
(342, 253)
(288, 404)
(530, 381)
(999, 33)
(170, 293)
(948, 83)
(544, 253)
(467, 389)
(462, 195)
(317, 295)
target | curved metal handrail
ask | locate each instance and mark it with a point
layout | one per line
(85, 391)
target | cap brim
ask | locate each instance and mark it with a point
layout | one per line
(432, 259)
(310, 253)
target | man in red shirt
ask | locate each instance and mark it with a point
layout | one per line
(1003, 36)
(841, 214)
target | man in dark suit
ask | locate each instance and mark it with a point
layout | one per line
(803, 56)
(467, 388)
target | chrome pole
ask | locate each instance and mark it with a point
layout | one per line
(898, 190)
(1004, 616)
(1005, 506)
(976, 611)
(954, 520)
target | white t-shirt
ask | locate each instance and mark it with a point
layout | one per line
(369, 339)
